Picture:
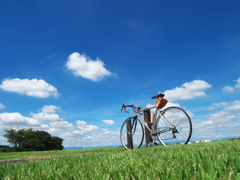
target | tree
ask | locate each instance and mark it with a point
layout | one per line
(15, 137)
(37, 141)
(30, 140)
(57, 143)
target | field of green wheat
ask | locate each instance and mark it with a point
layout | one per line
(214, 160)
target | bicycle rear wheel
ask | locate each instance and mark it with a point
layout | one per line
(174, 126)
(131, 133)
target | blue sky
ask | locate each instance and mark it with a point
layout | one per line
(67, 66)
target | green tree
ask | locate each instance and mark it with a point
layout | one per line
(37, 141)
(15, 137)
(57, 143)
(30, 140)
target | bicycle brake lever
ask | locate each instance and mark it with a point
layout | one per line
(122, 107)
(126, 110)
(139, 110)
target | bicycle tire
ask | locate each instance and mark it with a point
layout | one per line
(177, 126)
(131, 133)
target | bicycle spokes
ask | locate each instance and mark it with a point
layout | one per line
(174, 126)
(131, 133)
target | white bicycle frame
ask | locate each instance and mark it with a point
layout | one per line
(152, 130)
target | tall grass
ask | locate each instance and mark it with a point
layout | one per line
(45, 154)
(215, 160)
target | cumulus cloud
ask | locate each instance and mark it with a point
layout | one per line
(62, 125)
(188, 90)
(238, 83)
(44, 120)
(211, 108)
(232, 88)
(16, 119)
(221, 116)
(235, 105)
(30, 87)
(78, 134)
(50, 108)
(220, 104)
(47, 113)
(46, 116)
(83, 66)
(82, 125)
(2, 106)
(3, 140)
(109, 122)
(209, 122)
(211, 125)
(228, 89)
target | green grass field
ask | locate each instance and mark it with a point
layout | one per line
(215, 160)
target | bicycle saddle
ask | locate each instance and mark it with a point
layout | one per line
(158, 95)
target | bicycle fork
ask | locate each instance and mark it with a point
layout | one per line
(131, 126)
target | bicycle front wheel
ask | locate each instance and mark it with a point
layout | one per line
(131, 133)
(173, 126)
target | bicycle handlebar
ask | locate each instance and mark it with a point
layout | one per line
(124, 107)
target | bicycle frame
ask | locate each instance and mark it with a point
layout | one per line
(151, 130)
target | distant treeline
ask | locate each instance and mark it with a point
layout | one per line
(30, 140)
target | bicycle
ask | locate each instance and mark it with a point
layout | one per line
(169, 126)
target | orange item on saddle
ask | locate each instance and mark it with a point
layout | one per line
(161, 102)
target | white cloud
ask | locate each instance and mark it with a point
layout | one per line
(61, 125)
(220, 104)
(220, 124)
(83, 66)
(231, 89)
(16, 119)
(214, 126)
(50, 109)
(228, 89)
(211, 108)
(2, 106)
(82, 125)
(33, 87)
(188, 90)
(235, 105)
(238, 83)
(109, 122)
(208, 122)
(3, 141)
(47, 113)
(45, 116)
(79, 134)
(220, 117)
(216, 116)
